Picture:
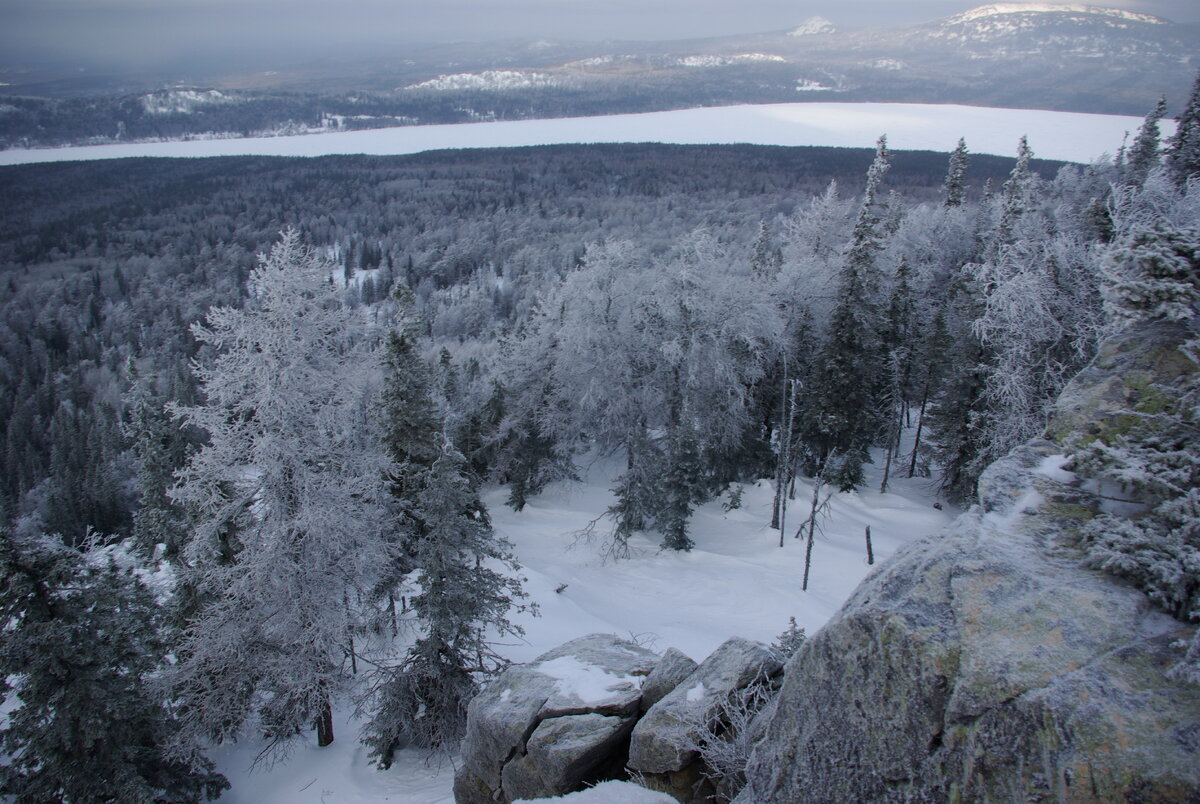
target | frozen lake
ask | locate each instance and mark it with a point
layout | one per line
(909, 126)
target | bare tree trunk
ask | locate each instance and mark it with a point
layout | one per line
(870, 552)
(912, 464)
(787, 471)
(325, 724)
(812, 526)
(785, 443)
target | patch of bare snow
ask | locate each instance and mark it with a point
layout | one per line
(726, 61)
(488, 80)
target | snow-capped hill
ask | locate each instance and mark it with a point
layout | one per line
(488, 80)
(1002, 9)
(182, 101)
(1056, 32)
(813, 26)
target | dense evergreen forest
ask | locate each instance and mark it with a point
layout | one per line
(281, 382)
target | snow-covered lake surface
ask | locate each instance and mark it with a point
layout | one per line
(909, 126)
(737, 581)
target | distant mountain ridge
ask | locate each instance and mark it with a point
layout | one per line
(1020, 55)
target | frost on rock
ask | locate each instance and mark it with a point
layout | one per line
(987, 662)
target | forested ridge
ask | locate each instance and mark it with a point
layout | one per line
(282, 382)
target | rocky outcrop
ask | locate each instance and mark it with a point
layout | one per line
(546, 728)
(985, 663)
(566, 719)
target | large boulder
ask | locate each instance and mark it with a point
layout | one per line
(545, 728)
(986, 663)
(664, 745)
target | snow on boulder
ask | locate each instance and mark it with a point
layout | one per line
(664, 741)
(544, 728)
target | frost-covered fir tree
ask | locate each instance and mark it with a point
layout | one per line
(1183, 149)
(463, 602)
(411, 423)
(80, 646)
(1016, 197)
(161, 447)
(1143, 155)
(294, 473)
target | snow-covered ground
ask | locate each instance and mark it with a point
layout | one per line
(909, 126)
(737, 581)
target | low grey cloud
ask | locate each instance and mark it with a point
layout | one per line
(161, 32)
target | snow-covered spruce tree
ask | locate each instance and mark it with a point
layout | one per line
(411, 424)
(1152, 451)
(1017, 197)
(1144, 153)
(845, 400)
(287, 500)
(80, 643)
(161, 447)
(1183, 149)
(955, 187)
(527, 454)
(682, 485)
(463, 601)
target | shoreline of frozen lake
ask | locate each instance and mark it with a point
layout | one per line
(1068, 136)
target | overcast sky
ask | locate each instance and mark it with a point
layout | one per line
(154, 31)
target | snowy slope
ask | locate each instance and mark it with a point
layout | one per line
(909, 126)
(737, 581)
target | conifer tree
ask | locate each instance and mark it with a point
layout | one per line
(161, 448)
(682, 486)
(955, 187)
(1143, 155)
(765, 258)
(1016, 196)
(411, 421)
(80, 646)
(637, 490)
(462, 598)
(845, 400)
(1183, 150)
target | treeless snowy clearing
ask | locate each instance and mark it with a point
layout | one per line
(736, 581)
